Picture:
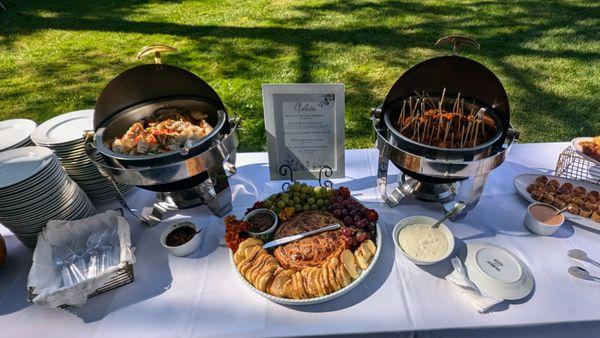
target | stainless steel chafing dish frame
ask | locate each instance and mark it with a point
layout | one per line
(478, 169)
(218, 161)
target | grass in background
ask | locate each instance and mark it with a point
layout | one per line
(56, 56)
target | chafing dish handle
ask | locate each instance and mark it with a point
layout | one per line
(457, 41)
(155, 49)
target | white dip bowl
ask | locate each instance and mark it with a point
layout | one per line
(412, 220)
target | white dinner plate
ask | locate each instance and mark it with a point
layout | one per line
(15, 132)
(29, 183)
(315, 300)
(17, 165)
(64, 128)
(496, 271)
(522, 181)
(575, 145)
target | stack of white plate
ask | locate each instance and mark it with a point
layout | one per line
(63, 134)
(16, 133)
(35, 189)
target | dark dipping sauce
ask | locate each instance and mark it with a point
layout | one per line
(261, 222)
(180, 236)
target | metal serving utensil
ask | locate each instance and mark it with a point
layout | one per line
(458, 207)
(293, 238)
(582, 256)
(582, 273)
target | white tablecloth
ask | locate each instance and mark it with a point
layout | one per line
(201, 296)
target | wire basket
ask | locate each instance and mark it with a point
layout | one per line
(121, 277)
(572, 165)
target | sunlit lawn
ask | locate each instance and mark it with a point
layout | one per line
(55, 56)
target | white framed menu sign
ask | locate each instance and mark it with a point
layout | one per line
(304, 124)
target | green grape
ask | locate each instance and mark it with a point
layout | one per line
(320, 202)
(281, 204)
(314, 207)
(306, 189)
(303, 196)
(317, 190)
(295, 187)
(306, 207)
(298, 206)
(297, 199)
(311, 200)
(285, 197)
(268, 204)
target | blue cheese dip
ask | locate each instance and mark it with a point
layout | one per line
(422, 242)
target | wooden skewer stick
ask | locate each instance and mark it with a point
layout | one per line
(466, 138)
(475, 138)
(452, 141)
(401, 116)
(446, 132)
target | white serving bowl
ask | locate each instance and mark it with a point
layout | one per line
(268, 231)
(187, 248)
(420, 220)
(537, 227)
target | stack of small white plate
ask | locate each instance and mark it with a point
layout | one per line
(16, 133)
(35, 189)
(63, 134)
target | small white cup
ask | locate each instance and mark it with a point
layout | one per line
(263, 210)
(186, 248)
(538, 227)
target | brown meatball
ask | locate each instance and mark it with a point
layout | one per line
(548, 198)
(596, 216)
(584, 212)
(553, 182)
(567, 186)
(574, 209)
(580, 190)
(537, 195)
(541, 179)
(559, 203)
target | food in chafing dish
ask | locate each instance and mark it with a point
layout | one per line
(580, 201)
(591, 148)
(312, 266)
(428, 122)
(169, 129)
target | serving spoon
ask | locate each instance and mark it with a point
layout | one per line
(582, 273)
(582, 256)
(458, 207)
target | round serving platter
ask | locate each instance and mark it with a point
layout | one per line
(522, 181)
(315, 300)
(575, 145)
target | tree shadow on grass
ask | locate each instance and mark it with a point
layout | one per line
(505, 30)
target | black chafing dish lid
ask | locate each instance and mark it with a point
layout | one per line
(456, 74)
(147, 83)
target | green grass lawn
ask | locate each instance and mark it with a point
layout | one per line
(56, 56)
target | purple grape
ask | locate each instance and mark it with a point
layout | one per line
(348, 221)
(347, 231)
(344, 213)
(337, 213)
(361, 236)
